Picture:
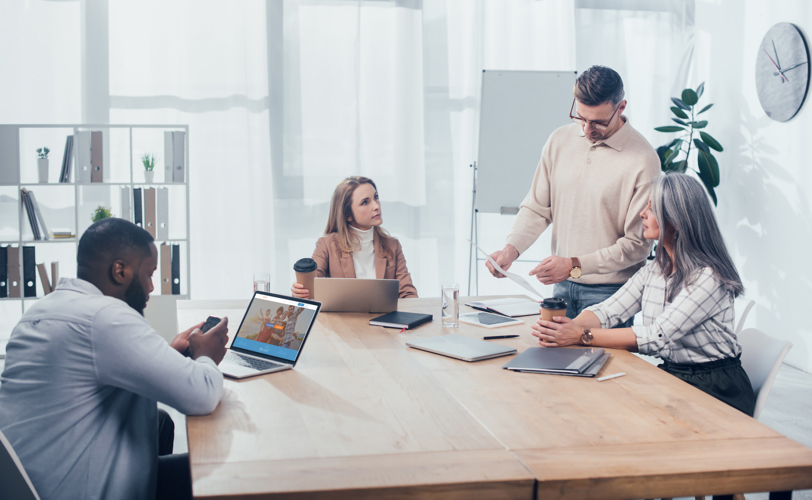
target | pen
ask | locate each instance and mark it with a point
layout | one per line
(616, 375)
(491, 337)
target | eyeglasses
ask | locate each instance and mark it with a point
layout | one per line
(599, 125)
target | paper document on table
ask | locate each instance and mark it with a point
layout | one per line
(513, 276)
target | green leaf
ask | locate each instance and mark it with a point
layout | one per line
(661, 151)
(689, 97)
(700, 124)
(701, 146)
(705, 108)
(700, 90)
(708, 187)
(674, 142)
(669, 128)
(680, 113)
(680, 104)
(681, 122)
(671, 155)
(679, 166)
(710, 141)
(708, 167)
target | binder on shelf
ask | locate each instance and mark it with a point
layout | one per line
(43, 278)
(168, 158)
(175, 269)
(83, 157)
(9, 155)
(14, 288)
(125, 204)
(25, 200)
(4, 272)
(149, 211)
(179, 156)
(166, 269)
(54, 275)
(162, 217)
(97, 156)
(41, 220)
(138, 215)
(29, 272)
(67, 160)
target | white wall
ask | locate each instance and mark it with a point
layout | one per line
(764, 196)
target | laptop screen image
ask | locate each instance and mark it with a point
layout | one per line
(275, 326)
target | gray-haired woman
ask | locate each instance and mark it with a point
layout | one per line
(685, 296)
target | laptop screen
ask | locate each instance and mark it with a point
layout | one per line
(275, 326)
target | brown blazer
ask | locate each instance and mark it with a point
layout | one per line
(333, 263)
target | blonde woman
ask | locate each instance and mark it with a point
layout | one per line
(354, 244)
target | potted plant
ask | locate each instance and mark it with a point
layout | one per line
(671, 154)
(101, 213)
(42, 164)
(148, 160)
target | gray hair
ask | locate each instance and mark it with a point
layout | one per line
(679, 202)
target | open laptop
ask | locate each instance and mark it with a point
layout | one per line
(271, 335)
(357, 295)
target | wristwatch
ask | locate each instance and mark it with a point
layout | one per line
(586, 337)
(575, 272)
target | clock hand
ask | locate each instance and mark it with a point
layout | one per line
(791, 67)
(776, 66)
(777, 62)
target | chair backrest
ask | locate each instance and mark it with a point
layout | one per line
(762, 356)
(745, 310)
(15, 482)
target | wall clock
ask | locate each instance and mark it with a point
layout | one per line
(782, 71)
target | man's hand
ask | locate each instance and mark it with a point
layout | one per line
(504, 258)
(211, 344)
(552, 270)
(557, 333)
(181, 342)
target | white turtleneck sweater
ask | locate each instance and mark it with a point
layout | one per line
(363, 256)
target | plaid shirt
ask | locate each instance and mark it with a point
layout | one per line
(695, 328)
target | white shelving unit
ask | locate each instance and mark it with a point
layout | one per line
(70, 205)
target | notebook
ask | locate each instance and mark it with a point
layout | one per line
(400, 319)
(577, 361)
(459, 347)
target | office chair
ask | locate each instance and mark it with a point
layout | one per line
(761, 358)
(14, 480)
(743, 317)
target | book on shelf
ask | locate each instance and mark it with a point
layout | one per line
(43, 278)
(54, 275)
(67, 161)
(35, 218)
(61, 234)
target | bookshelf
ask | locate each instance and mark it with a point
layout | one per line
(70, 205)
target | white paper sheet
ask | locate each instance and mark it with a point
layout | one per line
(513, 276)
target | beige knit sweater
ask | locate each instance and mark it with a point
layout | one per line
(592, 194)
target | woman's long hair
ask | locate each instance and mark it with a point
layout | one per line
(679, 202)
(341, 211)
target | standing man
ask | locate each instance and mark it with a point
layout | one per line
(591, 184)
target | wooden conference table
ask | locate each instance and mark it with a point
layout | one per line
(364, 416)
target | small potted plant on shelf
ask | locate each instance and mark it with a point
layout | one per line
(149, 165)
(101, 213)
(42, 164)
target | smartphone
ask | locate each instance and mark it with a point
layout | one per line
(210, 323)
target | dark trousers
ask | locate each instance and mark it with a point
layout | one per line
(174, 474)
(724, 379)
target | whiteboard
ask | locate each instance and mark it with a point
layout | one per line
(518, 112)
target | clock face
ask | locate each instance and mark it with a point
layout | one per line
(782, 71)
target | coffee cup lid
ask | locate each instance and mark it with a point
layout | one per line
(305, 265)
(554, 303)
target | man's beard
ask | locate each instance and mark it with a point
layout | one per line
(135, 296)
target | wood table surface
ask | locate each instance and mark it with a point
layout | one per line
(364, 416)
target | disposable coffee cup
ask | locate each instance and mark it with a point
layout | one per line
(553, 307)
(306, 274)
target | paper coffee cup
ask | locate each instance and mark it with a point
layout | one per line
(306, 274)
(553, 307)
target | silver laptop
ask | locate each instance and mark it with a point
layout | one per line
(459, 347)
(271, 335)
(357, 295)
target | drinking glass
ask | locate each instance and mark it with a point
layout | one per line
(262, 282)
(450, 295)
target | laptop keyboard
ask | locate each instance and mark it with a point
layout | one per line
(257, 364)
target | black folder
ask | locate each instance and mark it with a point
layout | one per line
(138, 214)
(175, 269)
(29, 272)
(4, 272)
(401, 319)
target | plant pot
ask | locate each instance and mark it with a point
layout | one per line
(42, 166)
(148, 176)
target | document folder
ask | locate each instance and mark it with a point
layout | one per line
(175, 269)
(138, 214)
(125, 204)
(3, 272)
(166, 269)
(83, 157)
(97, 156)
(14, 285)
(162, 221)
(179, 156)
(149, 211)
(29, 272)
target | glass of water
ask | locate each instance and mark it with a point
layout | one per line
(450, 295)
(262, 282)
